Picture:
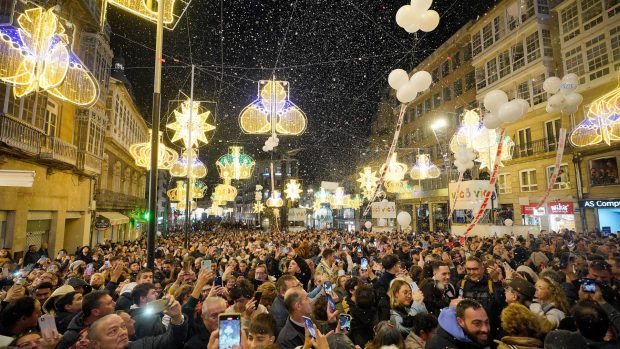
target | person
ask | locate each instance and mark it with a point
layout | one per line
(363, 314)
(124, 300)
(95, 305)
(147, 322)
(423, 329)
(31, 257)
(326, 265)
(404, 305)
(298, 305)
(519, 291)
(563, 339)
(212, 307)
(20, 316)
(43, 250)
(391, 265)
(593, 324)
(298, 267)
(523, 329)
(43, 291)
(34, 340)
(465, 326)
(438, 291)
(385, 335)
(550, 301)
(261, 331)
(67, 306)
(278, 309)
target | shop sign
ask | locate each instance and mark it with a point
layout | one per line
(470, 194)
(560, 207)
(102, 223)
(600, 203)
(296, 214)
(532, 210)
(384, 209)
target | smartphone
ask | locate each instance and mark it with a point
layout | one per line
(330, 301)
(310, 327)
(359, 249)
(257, 297)
(506, 266)
(588, 285)
(337, 260)
(187, 264)
(345, 322)
(156, 306)
(43, 257)
(285, 250)
(205, 264)
(47, 324)
(414, 287)
(217, 281)
(327, 285)
(230, 330)
(90, 269)
(107, 264)
(364, 264)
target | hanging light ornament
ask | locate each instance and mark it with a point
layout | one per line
(141, 152)
(225, 191)
(198, 189)
(215, 210)
(394, 187)
(354, 202)
(177, 193)
(316, 205)
(275, 200)
(337, 200)
(179, 168)
(37, 57)
(484, 141)
(602, 122)
(193, 132)
(293, 190)
(148, 9)
(181, 205)
(258, 207)
(235, 165)
(322, 196)
(368, 182)
(395, 171)
(423, 168)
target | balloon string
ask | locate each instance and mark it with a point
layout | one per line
(456, 195)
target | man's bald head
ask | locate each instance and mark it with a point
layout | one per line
(109, 332)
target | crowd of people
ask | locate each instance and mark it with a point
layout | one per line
(238, 287)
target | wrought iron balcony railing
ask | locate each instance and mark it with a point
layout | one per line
(20, 135)
(53, 148)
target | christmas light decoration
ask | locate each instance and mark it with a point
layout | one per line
(215, 210)
(179, 168)
(193, 132)
(293, 190)
(322, 196)
(275, 200)
(423, 168)
(225, 192)
(235, 164)
(177, 193)
(355, 202)
(394, 187)
(37, 57)
(147, 9)
(141, 152)
(198, 189)
(602, 122)
(316, 205)
(338, 199)
(395, 171)
(368, 182)
(181, 205)
(258, 207)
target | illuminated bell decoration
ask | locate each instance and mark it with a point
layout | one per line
(235, 164)
(181, 205)
(602, 122)
(275, 200)
(225, 192)
(368, 182)
(141, 152)
(258, 207)
(273, 112)
(190, 133)
(423, 168)
(147, 9)
(395, 171)
(37, 57)
(394, 187)
(179, 168)
(293, 190)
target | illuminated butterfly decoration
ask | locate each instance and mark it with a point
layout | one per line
(36, 57)
(273, 112)
(602, 122)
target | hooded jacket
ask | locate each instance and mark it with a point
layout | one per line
(73, 332)
(450, 335)
(63, 319)
(510, 342)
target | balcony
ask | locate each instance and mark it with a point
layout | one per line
(55, 149)
(108, 199)
(20, 135)
(88, 163)
(538, 147)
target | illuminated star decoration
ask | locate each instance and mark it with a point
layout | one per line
(196, 129)
(141, 152)
(423, 168)
(338, 199)
(37, 57)
(235, 164)
(602, 122)
(293, 190)
(316, 205)
(258, 207)
(368, 182)
(474, 135)
(147, 9)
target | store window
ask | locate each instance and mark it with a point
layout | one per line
(504, 183)
(527, 180)
(563, 179)
(604, 171)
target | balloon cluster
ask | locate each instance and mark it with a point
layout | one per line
(503, 111)
(464, 158)
(407, 88)
(271, 143)
(564, 98)
(417, 16)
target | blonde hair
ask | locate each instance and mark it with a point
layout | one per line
(518, 320)
(557, 297)
(394, 288)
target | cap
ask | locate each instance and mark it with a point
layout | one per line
(523, 287)
(48, 306)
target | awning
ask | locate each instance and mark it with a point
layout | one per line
(114, 217)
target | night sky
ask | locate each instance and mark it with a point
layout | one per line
(336, 54)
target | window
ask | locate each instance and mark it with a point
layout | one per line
(476, 44)
(470, 80)
(427, 105)
(481, 80)
(447, 94)
(456, 60)
(436, 100)
(504, 64)
(533, 47)
(569, 18)
(523, 90)
(527, 10)
(573, 62)
(543, 7)
(458, 87)
(504, 183)
(546, 39)
(591, 13)
(445, 68)
(487, 36)
(552, 133)
(435, 74)
(524, 139)
(596, 55)
(538, 94)
(512, 16)
(97, 55)
(419, 110)
(466, 53)
(51, 121)
(491, 71)
(518, 56)
(614, 41)
(563, 179)
(527, 180)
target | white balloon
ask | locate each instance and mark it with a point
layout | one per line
(428, 21)
(406, 16)
(422, 80)
(569, 83)
(552, 109)
(421, 5)
(510, 112)
(461, 168)
(412, 28)
(491, 122)
(574, 99)
(368, 224)
(265, 149)
(494, 99)
(557, 101)
(525, 105)
(398, 78)
(403, 219)
(508, 222)
(570, 78)
(569, 109)
(407, 93)
(552, 84)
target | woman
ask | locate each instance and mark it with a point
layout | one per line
(299, 269)
(5, 257)
(550, 301)
(386, 334)
(404, 305)
(244, 303)
(523, 328)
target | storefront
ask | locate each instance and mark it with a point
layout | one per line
(532, 215)
(561, 215)
(607, 213)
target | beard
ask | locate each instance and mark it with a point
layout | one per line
(440, 285)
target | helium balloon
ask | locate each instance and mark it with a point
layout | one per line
(368, 224)
(406, 16)
(494, 99)
(421, 5)
(407, 93)
(574, 99)
(525, 105)
(491, 122)
(552, 84)
(398, 78)
(510, 112)
(508, 222)
(422, 80)
(428, 21)
(403, 219)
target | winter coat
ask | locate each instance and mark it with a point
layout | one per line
(402, 316)
(449, 334)
(279, 313)
(549, 311)
(291, 336)
(414, 342)
(124, 302)
(63, 319)
(173, 338)
(363, 322)
(147, 324)
(510, 342)
(71, 335)
(434, 298)
(382, 285)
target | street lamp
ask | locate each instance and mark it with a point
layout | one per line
(438, 125)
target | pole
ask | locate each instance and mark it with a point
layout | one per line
(159, 39)
(188, 147)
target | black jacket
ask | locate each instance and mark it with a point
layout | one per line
(172, 339)
(382, 285)
(444, 340)
(200, 339)
(147, 324)
(279, 313)
(363, 322)
(434, 298)
(291, 336)
(490, 295)
(124, 302)
(63, 319)
(73, 332)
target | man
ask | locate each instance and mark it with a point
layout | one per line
(43, 292)
(298, 305)
(110, 332)
(404, 255)
(31, 257)
(438, 291)
(326, 265)
(593, 324)
(148, 323)
(465, 326)
(391, 265)
(260, 275)
(212, 307)
(278, 309)
(95, 305)
(601, 271)
(125, 301)
(19, 316)
(97, 281)
(423, 329)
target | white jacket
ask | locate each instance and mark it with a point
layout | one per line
(549, 311)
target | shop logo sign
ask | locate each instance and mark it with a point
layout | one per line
(560, 208)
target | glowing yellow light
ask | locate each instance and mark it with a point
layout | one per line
(141, 152)
(602, 122)
(179, 168)
(177, 193)
(316, 205)
(215, 210)
(235, 164)
(293, 190)
(368, 182)
(36, 57)
(322, 196)
(181, 205)
(423, 169)
(393, 187)
(395, 171)
(147, 9)
(354, 202)
(273, 112)
(275, 200)
(198, 189)
(225, 191)
(258, 207)
(338, 199)
(192, 132)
